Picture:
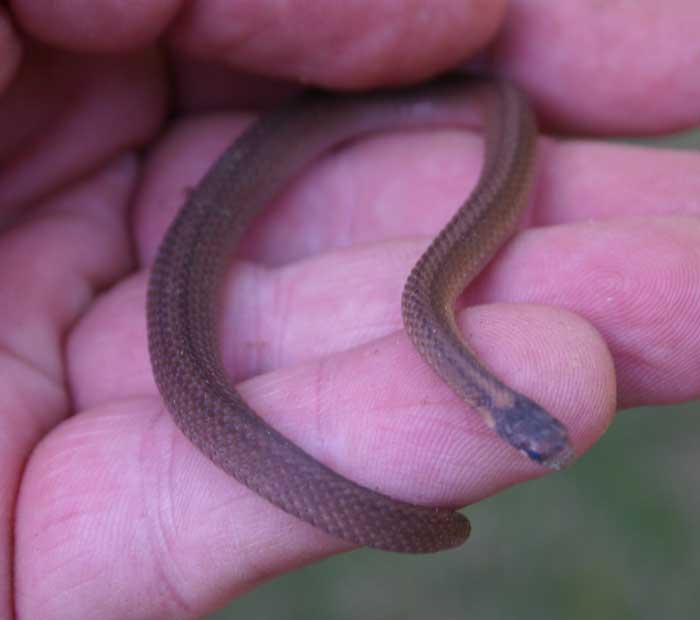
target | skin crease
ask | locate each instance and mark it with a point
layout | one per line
(97, 486)
(10, 51)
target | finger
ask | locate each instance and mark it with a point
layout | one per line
(58, 259)
(375, 413)
(634, 279)
(101, 26)
(371, 190)
(341, 45)
(580, 180)
(402, 184)
(587, 65)
(64, 116)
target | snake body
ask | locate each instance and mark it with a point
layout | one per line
(189, 269)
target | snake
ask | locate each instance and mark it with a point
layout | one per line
(189, 268)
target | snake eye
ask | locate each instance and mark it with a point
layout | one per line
(533, 454)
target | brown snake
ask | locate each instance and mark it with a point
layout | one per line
(189, 269)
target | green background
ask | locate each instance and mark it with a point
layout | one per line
(616, 536)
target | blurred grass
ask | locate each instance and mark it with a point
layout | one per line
(687, 140)
(614, 537)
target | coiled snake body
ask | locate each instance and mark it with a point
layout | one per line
(190, 263)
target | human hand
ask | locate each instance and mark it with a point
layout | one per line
(111, 510)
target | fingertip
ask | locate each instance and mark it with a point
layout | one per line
(555, 357)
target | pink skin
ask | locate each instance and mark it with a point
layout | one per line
(105, 509)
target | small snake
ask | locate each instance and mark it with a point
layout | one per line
(189, 270)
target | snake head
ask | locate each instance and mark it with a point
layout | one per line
(529, 428)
